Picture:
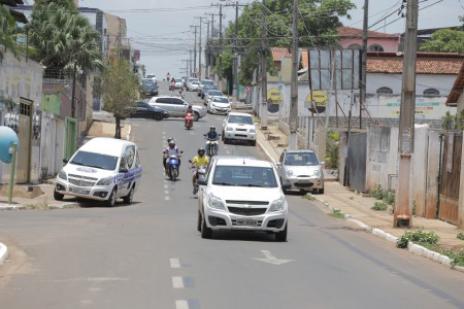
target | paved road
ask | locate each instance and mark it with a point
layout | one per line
(150, 256)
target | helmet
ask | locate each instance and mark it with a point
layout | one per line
(201, 151)
(171, 143)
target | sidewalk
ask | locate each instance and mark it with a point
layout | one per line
(357, 207)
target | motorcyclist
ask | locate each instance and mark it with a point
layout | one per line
(169, 151)
(189, 110)
(201, 159)
(212, 134)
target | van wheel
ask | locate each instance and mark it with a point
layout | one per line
(112, 199)
(282, 236)
(206, 232)
(199, 222)
(58, 196)
(253, 143)
(129, 198)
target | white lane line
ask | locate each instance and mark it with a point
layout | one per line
(166, 192)
(174, 262)
(182, 304)
(167, 198)
(166, 186)
(178, 282)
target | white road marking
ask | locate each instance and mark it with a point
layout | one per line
(166, 192)
(270, 259)
(166, 186)
(177, 282)
(167, 198)
(182, 304)
(174, 262)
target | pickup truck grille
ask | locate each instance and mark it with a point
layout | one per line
(81, 182)
(247, 211)
(253, 203)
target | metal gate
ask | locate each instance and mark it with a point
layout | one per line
(450, 172)
(355, 169)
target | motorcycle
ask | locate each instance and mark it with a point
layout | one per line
(188, 121)
(212, 146)
(173, 167)
(200, 175)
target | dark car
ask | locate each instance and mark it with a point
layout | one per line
(149, 87)
(205, 89)
(145, 110)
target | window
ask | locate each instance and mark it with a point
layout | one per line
(301, 159)
(129, 156)
(177, 101)
(384, 91)
(244, 176)
(376, 48)
(240, 119)
(96, 160)
(354, 46)
(163, 100)
(431, 92)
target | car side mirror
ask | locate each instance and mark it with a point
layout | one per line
(65, 161)
(123, 170)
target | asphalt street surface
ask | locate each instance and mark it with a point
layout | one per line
(149, 255)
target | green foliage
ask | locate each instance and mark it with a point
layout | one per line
(63, 38)
(120, 88)
(377, 192)
(7, 31)
(457, 257)
(389, 197)
(309, 197)
(460, 236)
(379, 206)
(337, 213)
(445, 40)
(332, 149)
(319, 17)
(453, 122)
(419, 237)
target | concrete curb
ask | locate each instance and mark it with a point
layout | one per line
(3, 253)
(412, 247)
(7, 207)
(266, 152)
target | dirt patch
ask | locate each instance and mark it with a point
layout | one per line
(16, 263)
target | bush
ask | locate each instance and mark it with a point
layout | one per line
(337, 213)
(460, 236)
(420, 237)
(331, 156)
(377, 193)
(379, 206)
(389, 197)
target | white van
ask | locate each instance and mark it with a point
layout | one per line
(103, 169)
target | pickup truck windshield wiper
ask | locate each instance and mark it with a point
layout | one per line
(223, 184)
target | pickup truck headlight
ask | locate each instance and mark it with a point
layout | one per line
(216, 203)
(105, 181)
(252, 130)
(229, 129)
(317, 173)
(62, 175)
(278, 205)
(289, 172)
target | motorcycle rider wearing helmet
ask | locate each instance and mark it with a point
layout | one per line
(189, 110)
(171, 150)
(201, 159)
(212, 134)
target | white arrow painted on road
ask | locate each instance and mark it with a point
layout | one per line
(269, 258)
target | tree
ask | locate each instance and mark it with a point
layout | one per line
(120, 90)
(445, 40)
(71, 43)
(7, 31)
(318, 21)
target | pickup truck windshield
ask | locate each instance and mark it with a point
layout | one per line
(240, 119)
(96, 160)
(244, 176)
(301, 159)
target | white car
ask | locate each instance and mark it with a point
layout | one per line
(103, 169)
(242, 193)
(219, 105)
(177, 107)
(193, 84)
(239, 126)
(179, 83)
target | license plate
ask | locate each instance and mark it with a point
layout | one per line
(246, 222)
(79, 191)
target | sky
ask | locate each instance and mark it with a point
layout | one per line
(161, 28)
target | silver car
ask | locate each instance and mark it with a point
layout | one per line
(301, 170)
(177, 107)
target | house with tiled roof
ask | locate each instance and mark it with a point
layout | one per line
(377, 41)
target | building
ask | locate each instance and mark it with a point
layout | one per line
(351, 38)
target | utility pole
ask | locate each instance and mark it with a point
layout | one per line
(293, 120)
(220, 25)
(195, 50)
(199, 49)
(190, 63)
(402, 214)
(207, 50)
(263, 105)
(237, 91)
(362, 80)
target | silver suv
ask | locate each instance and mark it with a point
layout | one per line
(176, 107)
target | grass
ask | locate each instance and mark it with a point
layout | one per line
(309, 197)
(379, 206)
(337, 213)
(460, 236)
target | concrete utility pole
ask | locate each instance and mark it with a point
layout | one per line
(402, 215)
(207, 50)
(220, 25)
(362, 80)
(195, 50)
(190, 63)
(236, 83)
(293, 120)
(264, 48)
(199, 49)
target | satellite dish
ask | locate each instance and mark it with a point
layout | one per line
(8, 137)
